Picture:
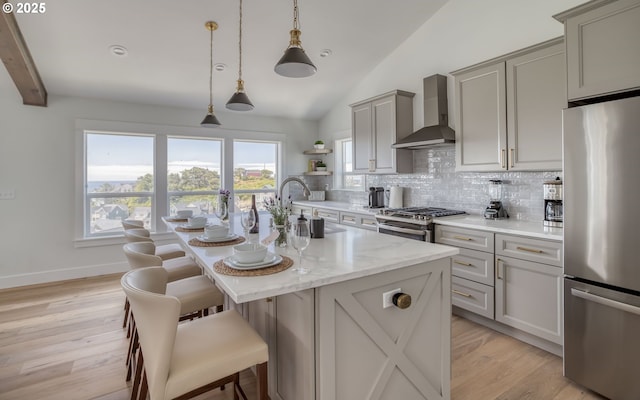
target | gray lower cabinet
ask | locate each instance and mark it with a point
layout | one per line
(287, 324)
(529, 293)
(511, 279)
(329, 215)
(472, 269)
(364, 221)
(509, 111)
(603, 56)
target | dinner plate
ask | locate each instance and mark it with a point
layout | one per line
(271, 260)
(187, 226)
(228, 238)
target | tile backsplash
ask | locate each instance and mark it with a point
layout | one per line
(435, 183)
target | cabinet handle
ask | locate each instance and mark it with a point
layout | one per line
(369, 222)
(503, 155)
(269, 299)
(512, 157)
(348, 219)
(372, 165)
(466, 264)
(401, 300)
(461, 293)
(530, 250)
(498, 265)
(468, 239)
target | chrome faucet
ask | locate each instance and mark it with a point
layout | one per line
(305, 188)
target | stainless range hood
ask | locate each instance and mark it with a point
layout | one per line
(436, 118)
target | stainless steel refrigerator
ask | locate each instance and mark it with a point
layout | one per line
(601, 146)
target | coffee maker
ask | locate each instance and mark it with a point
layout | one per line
(553, 209)
(496, 209)
(376, 197)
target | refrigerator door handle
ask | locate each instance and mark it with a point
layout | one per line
(606, 302)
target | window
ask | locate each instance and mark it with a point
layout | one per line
(345, 178)
(193, 174)
(119, 181)
(255, 171)
(129, 176)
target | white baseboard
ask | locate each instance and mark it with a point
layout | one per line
(35, 278)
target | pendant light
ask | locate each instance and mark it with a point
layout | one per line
(295, 63)
(210, 120)
(239, 101)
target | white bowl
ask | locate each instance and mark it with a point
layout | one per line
(249, 252)
(216, 231)
(197, 222)
(184, 213)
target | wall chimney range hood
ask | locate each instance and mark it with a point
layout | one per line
(436, 118)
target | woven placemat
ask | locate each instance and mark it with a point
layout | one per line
(199, 243)
(222, 268)
(183, 229)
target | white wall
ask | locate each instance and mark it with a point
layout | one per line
(37, 159)
(460, 34)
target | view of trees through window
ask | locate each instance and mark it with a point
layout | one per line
(121, 181)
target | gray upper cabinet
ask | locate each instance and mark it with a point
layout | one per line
(603, 55)
(509, 111)
(377, 123)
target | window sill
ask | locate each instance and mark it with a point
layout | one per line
(116, 240)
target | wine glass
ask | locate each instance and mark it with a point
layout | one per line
(248, 221)
(221, 211)
(300, 239)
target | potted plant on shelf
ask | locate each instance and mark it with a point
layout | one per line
(321, 166)
(318, 145)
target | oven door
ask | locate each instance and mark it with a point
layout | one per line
(406, 230)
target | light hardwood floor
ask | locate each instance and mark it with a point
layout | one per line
(65, 341)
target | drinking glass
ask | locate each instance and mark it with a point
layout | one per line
(300, 239)
(221, 211)
(248, 221)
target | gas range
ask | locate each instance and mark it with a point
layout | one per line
(411, 222)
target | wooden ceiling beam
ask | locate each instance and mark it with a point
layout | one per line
(17, 59)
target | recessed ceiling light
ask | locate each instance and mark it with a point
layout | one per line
(119, 51)
(325, 53)
(220, 66)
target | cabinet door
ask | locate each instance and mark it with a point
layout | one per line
(603, 55)
(472, 296)
(481, 121)
(528, 297)
(536, 95)
(384, 129)
(362, 131)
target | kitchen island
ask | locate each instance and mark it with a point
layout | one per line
(329, 336)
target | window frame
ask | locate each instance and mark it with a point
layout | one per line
(278, 174)
(340, 160)
(161, 199)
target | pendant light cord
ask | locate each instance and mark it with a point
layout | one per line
(240, 45)
(211, 69)
(296, 24)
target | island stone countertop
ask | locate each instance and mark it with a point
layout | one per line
(344, 253)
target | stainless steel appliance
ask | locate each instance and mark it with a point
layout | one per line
(376, 197)
(411, 222)
(553, 210)
(496, 209)
(601, 144)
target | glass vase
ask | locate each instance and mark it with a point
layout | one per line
(281, 240)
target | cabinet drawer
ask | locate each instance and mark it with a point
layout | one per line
(542, 251)
(349, 218)
(472, 296)
(473, 265)
(328, 215)
(465, 238)
(368, 222)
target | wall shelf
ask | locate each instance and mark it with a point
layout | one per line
(319, 173)
(318, 151)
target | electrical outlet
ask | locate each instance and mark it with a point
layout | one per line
(7, 194)
(387, 297)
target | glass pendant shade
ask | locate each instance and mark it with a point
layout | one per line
(210, 119)
(295, 63)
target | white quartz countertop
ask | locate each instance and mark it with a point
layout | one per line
(345, 253)
(533, 229)
(338, 206)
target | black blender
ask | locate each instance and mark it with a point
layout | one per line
(495, 210)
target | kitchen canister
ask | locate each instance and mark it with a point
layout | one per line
(395, 197)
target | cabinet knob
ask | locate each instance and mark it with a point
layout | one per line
(401, 300)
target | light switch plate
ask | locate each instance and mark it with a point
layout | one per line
(7, 194)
